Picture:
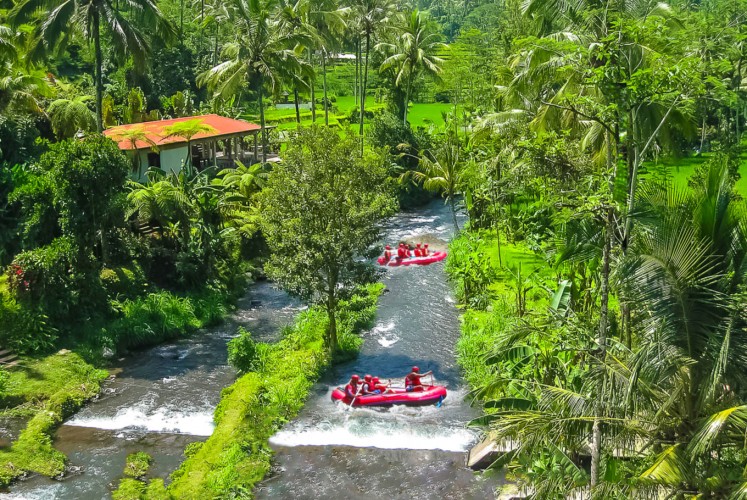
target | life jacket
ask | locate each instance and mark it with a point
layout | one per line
(401, 253)
(387, 255)
(425, 251)
(413, 380)
(351, 390)
(418, 251)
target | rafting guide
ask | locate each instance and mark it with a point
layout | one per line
(371, 392)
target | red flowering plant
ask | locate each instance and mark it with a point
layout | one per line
(19, 281)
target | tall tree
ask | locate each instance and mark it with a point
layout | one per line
(321, 210)
(370, 16)
(60, 21)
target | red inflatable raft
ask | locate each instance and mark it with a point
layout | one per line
(427, 396)
(420, 261)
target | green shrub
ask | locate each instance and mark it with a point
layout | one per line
(24, 330)
(242, 351)
(129, 489)
(53, 279)
(137, 464)
(210, 308)
(123, 282)
(153, 318)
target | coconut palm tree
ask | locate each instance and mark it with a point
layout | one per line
(370, 17)
(60, 21)
(412, 54)
(187, 130)
(263, 53)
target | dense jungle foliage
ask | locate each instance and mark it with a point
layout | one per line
(597, 148)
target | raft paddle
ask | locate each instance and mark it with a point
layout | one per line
(355, 397)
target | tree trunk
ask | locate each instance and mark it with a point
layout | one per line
(407, 100)
(324, 84)
(596, 434)
(181, 21)
(262, 119)
(331, 308)
(363, 89)
(295, 101)
(313, 94)
(99, 63)
(357, 64)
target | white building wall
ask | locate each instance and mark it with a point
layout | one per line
(172, 159)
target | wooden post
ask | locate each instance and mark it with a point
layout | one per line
(256, 157)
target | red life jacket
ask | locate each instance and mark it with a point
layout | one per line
(401, 252)
(413, 380)
(351, 390)
(425, 251)
(418, 252)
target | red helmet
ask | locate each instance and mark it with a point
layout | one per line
(388, 247)
(375, 380)
(417, 245)
(401, 244)
(415, 369)
(367, 378)
(426, 244)
(355, 378)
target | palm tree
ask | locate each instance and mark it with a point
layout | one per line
(187, 130)
(263, 54)
(412, 54)
(60, 21)
(133, 135)
(328, 20)
(69, 116)
(441, 171)
(370, 16)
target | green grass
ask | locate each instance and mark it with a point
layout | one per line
(420, 114)
(679, 170)
(53, 388)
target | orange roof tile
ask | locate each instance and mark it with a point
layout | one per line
(154, 130)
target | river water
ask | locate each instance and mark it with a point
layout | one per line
(334, 452)
(163, 399)
(159, 401)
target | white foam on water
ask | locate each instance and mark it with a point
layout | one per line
(383, 328)
(387, 341)
(373, 435)
(197, 423)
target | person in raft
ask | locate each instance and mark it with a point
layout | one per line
(369, 386)
(353, 388)
(387, 253)
(412, 380)
(425, 250)
(418, 250)
(401, 251)
(378, 387)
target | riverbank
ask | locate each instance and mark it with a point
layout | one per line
(237, 455)
(45, 391)
(41, 392)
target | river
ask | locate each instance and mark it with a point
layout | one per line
(163, 398)
(333, 452)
